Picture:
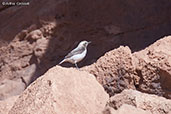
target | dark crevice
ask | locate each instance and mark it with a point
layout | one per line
(23, 80)
(137, 85)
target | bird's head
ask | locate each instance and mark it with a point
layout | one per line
(84, 44)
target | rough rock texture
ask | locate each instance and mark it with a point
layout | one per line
(115, 70)
(152, 103)
(148, 70)
(62, 91)
(7, 104)
(125, 109)
(10, 88)
(153, 66)
(20, 59)
(36, 37)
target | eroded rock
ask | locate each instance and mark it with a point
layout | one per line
(62, 24)
(148, 70)
(125, 109)
(152, 103)
(62, 91)
(153, 66)
(114, 70)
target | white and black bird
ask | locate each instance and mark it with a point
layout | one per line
(77, 54)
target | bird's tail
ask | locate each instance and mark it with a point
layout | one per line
(62, 61)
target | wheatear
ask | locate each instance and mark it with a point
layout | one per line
(77, 54)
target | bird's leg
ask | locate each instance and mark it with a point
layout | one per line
(76, 65)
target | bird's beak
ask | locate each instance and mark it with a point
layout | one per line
(89, 42)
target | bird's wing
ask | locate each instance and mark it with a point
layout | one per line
(74, 52)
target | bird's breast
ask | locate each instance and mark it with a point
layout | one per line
(79, 57)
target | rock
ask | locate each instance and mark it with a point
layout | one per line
(148, 70)
(21, 58)
(64, 23)
(152, 103)
(114, 70)
(153, 66)
(14, 59)
(10, 88)
(7, 104)
(34, 35)
(126, 109)
(41, 48)
(62, 91)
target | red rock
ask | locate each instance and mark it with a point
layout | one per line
(148, 70)
(152, 103)
(115, 70)
(62, 91)
(10, 88)
(153, 66)
(7, 104)
(126, 109)
(59, 25)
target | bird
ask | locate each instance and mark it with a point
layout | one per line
(77, 54)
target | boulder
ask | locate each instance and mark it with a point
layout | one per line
(125, 109)
(62, 91)
(153, 66)
(152, 103)
(148, 70)
(114, 70)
